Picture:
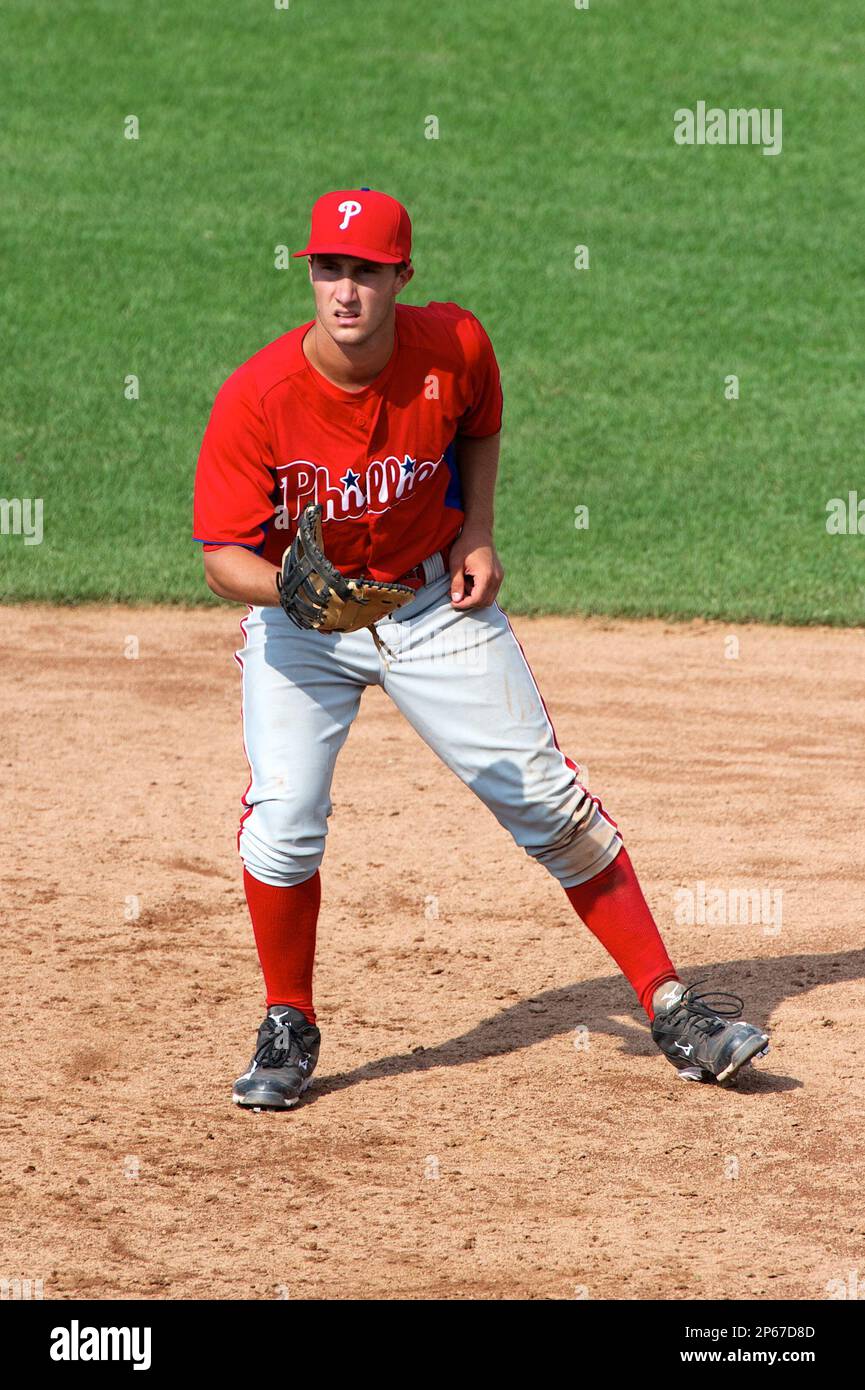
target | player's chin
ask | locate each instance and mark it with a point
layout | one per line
(351, 336)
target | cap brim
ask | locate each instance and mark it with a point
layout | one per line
(361, 253)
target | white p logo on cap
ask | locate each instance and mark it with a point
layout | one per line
(351, 209)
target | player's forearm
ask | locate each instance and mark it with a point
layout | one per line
(478, 463)
(240, 576)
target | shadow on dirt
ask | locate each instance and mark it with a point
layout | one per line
(598, 1005)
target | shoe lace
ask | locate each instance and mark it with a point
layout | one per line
(705, 1014)
(284, 1043)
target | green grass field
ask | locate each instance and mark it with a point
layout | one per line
(155, 258)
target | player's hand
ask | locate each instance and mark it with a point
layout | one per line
(476, 570)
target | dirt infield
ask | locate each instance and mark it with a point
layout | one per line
(491, 1118)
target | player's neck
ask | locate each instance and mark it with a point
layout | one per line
(351, 368)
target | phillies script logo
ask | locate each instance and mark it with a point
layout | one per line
(387, 481)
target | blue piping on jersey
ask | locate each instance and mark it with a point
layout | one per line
(454, 494)
(202, 540)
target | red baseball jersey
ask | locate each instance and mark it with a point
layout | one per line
(381, 461)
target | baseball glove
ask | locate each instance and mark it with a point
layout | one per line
(315, 594)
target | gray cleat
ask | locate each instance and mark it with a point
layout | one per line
(281, 1068)
(703, 1043)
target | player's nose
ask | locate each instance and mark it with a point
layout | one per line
(346, 291)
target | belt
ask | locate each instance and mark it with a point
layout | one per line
(433, 567)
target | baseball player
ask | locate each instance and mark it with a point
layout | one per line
(344, 493)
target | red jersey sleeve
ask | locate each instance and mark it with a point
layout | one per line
(234, 480)
(484, 415)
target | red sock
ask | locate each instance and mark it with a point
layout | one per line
(284, 922)
(614, 909)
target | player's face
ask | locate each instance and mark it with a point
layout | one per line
(354, 298)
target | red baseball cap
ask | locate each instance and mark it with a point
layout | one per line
(359, 222)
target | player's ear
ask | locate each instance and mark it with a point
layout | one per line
(309, 267)
(406, 271)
